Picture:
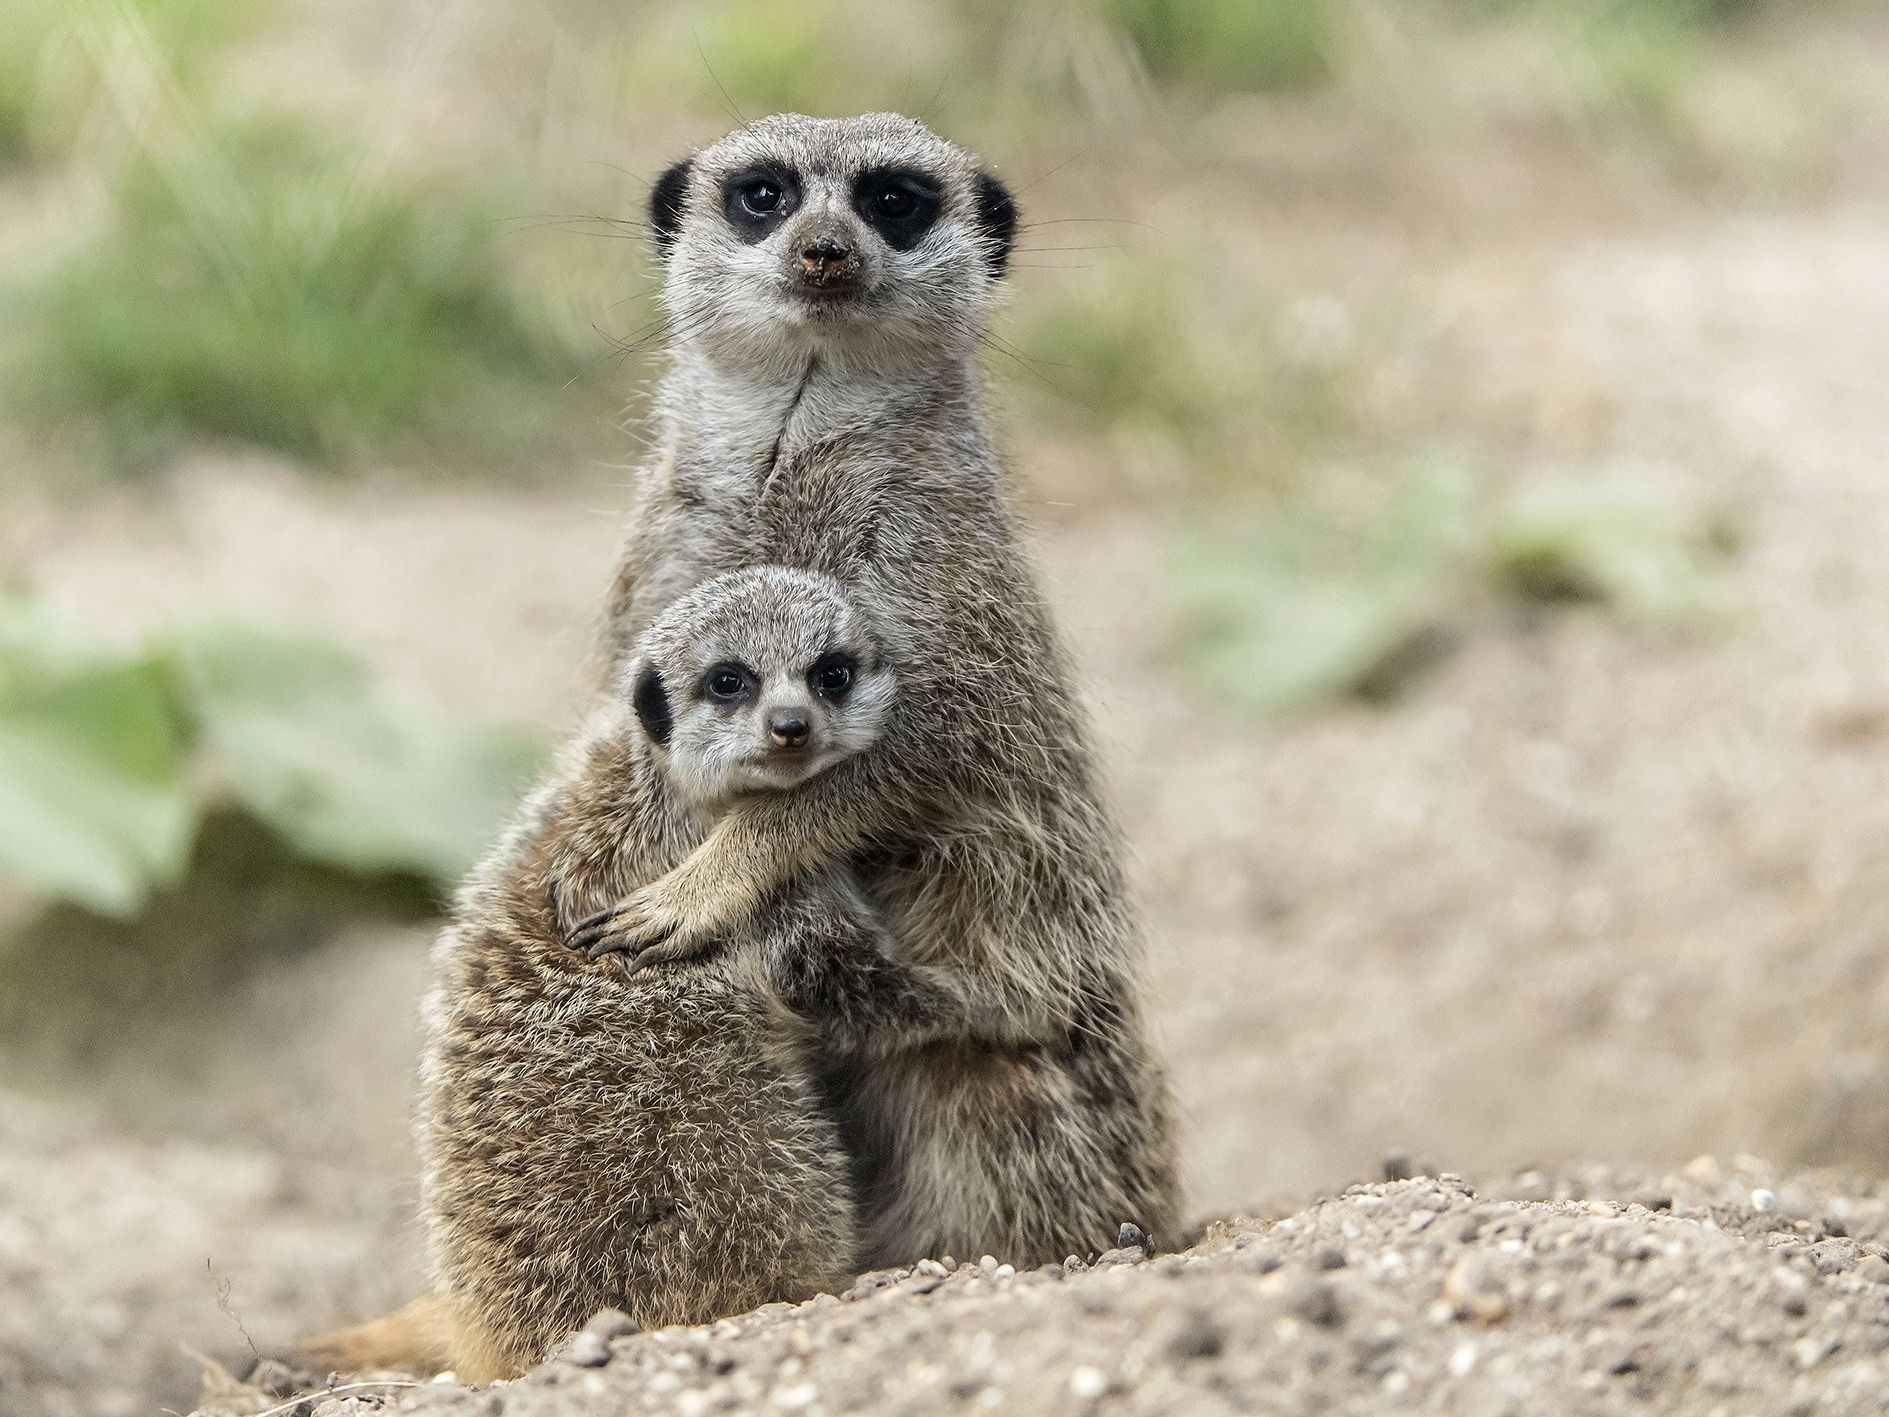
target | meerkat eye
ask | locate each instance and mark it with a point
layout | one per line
(896, 203)
(760, 197)
(899, 204)
(757, 201)
(832, 677)
(727, 682)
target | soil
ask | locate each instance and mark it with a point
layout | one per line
(1712, 1290)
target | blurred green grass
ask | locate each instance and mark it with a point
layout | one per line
(258, 269)
(265, 289)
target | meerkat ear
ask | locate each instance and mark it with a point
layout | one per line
(652, 705)
(665, 205)
(997, 218)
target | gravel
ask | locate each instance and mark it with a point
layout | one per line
(1537, 1292)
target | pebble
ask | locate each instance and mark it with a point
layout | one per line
(1763, 1200)
(1086, 1382)
(586, 1350)
(612, 1323)
(1316, 1301)
(1873, 1268)
(1463, 1360)
(1132, 1254)
(1474, 1292)
(1198, 1335)
(1131, 1234)
(930, 1267)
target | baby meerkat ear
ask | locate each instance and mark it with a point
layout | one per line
(997, 219)
(665, 205)
(652, 705)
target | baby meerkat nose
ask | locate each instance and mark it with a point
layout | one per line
(788, 729)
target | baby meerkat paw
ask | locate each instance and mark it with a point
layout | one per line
(640, 928)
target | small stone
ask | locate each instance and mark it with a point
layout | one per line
(1474, 1292)
(612, 1323)
(1873, 1268)
(1133, 1254)
(1086, 1382)
(1811, 1350)
(1763, 1200)
(1074, 1263)
(987, 1263)
(1317, 1303)
(1131, 1234)
(1198, 1335)
(1657, 1201)
(930, 1267)
(1463, 1360)
(1003, 1271)
(586, 1350)
(795, 1397)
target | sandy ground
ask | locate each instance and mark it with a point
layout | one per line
(1587, 889)
(1600, 1291)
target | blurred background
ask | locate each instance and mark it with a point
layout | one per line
(1456, 431)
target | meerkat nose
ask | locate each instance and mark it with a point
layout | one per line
(824, 258)
(787, 730)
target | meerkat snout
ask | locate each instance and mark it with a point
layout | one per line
(788, 728)
(829, 263)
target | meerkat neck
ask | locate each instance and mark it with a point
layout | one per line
(712, 410)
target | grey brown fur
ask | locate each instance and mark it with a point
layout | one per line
(824, 409)
(651, 1142)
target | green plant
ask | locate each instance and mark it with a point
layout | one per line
(257, 286)
(1232, 44)
(1345, 589)
(110, 760)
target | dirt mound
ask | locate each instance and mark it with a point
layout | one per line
(1715, 1290)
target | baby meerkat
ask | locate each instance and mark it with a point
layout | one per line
(829, 283)
(654, 1143)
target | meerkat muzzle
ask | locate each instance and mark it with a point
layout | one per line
(826, 264)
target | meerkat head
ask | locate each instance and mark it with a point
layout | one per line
(870, 236)
(758, 680)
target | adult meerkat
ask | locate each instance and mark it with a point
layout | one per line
(828, 282)
(656, 1143)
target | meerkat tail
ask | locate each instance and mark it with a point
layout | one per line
(420, 1337)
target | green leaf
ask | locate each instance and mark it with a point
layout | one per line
(348, 773)
(1315, 604)
(96, 805)
(1629, 539)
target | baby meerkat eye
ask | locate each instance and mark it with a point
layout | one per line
(832, 677)
(727, 682)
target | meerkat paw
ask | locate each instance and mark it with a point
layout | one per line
(639, 928)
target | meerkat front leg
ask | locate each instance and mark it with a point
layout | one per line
(760, 843)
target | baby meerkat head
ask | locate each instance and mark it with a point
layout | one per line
(758, 680)
(867, 236)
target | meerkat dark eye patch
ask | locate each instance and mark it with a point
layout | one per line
(899, 203)
(651, 701)
(997, 219)
(665, 205)
(729, 683)
(757, 200)
(832, 675)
